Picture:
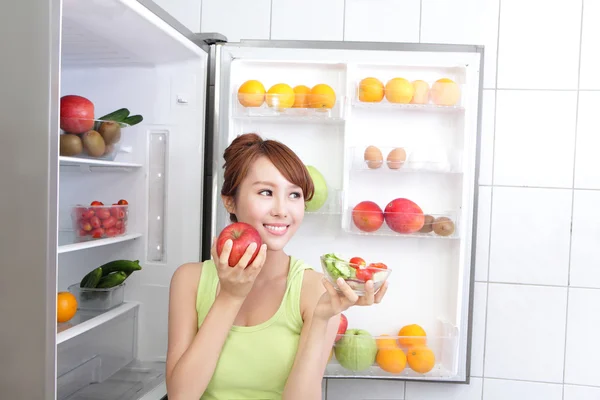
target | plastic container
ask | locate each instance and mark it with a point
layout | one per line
(359, 353)
(366, 221)
(400, 159)
(105, 134)
(355, 275)
(398, 92)
(99, 222)
(95, 299)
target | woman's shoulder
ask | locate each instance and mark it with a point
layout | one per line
(187, 275)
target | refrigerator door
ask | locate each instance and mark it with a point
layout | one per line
(440, 136)
(141, 36)
(30, 34)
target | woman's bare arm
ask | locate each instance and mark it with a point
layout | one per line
(316, 340)
(193, 353)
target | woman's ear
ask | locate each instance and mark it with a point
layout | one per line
(229, 204)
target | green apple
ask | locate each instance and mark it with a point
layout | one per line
(356, 350)
(320, 196)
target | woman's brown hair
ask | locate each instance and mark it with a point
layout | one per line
(246, 148)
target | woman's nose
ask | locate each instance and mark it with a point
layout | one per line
(279, 207)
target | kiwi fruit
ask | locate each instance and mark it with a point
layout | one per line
(109, 149)
(428, 225)
(70, 145)
(110, 132)
(93, 143)
(443, 226)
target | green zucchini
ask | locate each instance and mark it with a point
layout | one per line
(119, 116)
(126, 266)
(112, 280)
(133, 120)
(91, 279)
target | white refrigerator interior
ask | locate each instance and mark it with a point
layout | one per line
(140, 63)
(431, 280)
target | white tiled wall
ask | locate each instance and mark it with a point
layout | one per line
(537, 295)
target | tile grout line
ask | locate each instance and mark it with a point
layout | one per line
(271, 22)
(572, 203)
(539, 187)
(487, 287)
(542, 285)
(343, 23)
(420, 17)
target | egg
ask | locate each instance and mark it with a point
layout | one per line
(396, 158)
(373, 157)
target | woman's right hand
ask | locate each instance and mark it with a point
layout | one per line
(237, 281)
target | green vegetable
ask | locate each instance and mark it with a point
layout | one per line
(126, 266)
(133, 120)
(119, 116)
(91, 279)
(112, 280)
(338, 267)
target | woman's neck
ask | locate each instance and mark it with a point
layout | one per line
(276, 264)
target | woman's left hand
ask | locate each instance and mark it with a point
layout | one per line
(333, 302)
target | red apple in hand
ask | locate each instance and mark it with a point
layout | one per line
(404, 216)
(342, 328)
(242, 235)
(76, 114)
(367, 216)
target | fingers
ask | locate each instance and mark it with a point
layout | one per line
(258, 262)
(224, 257)
(369, 296)
(347, 291)
(381, 292)
(246, 257)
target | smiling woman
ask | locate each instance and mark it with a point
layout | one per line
(262, 328)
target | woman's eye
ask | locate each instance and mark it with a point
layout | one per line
(296, 195)
(265, 192)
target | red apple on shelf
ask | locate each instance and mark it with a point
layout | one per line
(242, 235)
(342, 327)
(367, 216)
(404, 216)
(76, 114)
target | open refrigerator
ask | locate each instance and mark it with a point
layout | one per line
(131, 54)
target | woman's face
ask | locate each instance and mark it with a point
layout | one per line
(270, 203)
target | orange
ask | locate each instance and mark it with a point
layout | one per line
(391, 360)
(251, 93)
(386, 342)
(66, 306)
(420, 359)
(301, 96)
(321, 96)
(411, 336)
(399, 90)
(445, 92)
(370, 90)
(280, 95)
(421, 95)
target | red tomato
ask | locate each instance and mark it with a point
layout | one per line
(122, 202)
(117, 212)
(364, 274)
(95, 222)
(103, 213)
(357, 262)
(85, 225)
(378, 265)
(109, 222)
(97, 203)
(112, 232)
(97, 233)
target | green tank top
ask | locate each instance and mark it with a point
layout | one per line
(255, 360)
